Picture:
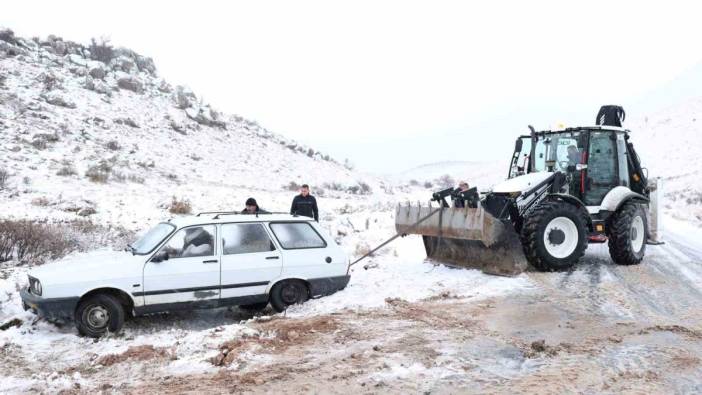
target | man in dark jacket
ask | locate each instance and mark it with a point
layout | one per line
(252, 207)
(305, 204)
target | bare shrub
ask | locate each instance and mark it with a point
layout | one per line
(32, 241)
(414, 183)
(66, 171)
(293, 186)
(41, 201)
(172, 177)
(99, 173)
(365, 188)
(39, 144)
(428, 185)
(334, 186)
(113, 146)
(446, 181)
(4, 176)
(135, 179)
(26, 180)
(119, 177)
(101, 51)
(179, 206)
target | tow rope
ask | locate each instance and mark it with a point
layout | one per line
(390, 240)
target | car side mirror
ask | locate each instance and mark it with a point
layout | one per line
(160, 257)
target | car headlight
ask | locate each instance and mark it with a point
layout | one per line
(34, 286)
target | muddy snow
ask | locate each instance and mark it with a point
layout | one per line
(402, 325)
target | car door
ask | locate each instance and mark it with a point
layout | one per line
(250, 259)
(307, 254)
(191, 272)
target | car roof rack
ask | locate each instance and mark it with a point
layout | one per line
(219, 213)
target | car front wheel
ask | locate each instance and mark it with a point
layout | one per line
(99, 314)
(287, 293)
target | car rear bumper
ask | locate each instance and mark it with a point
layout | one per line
(52, 308)
(327, 285)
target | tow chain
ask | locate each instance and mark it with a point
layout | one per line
(390, 240)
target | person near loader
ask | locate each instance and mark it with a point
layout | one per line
(305, 204)
(252, 207)
(573, 155)
(465, 196)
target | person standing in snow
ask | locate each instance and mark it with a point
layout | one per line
(252, 207)
(305, 204)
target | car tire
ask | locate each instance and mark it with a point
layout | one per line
(99, 314)
(254, 307)
(287, 293)
(628, 229)
(554, 236)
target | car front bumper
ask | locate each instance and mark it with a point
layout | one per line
(327, 285)
(51, 308)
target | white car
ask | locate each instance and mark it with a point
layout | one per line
(209, 260)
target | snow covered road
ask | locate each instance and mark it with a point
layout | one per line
(403, 326)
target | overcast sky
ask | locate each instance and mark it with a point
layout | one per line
(392, 85)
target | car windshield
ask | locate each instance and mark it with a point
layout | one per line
(557, 151)
(152, 238)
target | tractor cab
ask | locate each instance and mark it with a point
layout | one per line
(593, 159)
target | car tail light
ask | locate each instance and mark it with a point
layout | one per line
(34, 286)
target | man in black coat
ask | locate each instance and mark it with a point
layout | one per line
(305, 204)
(252, 207)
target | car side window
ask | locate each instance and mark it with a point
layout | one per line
(297, 235)
(245, 239)
(195, 241)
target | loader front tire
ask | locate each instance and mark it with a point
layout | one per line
(628, 229)
(554, 236)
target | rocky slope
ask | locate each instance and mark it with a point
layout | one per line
(92, 129)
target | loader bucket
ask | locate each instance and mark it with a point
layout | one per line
(465, 237)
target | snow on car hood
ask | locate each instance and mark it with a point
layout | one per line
(93, 265)
(521, 183)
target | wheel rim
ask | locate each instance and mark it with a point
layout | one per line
(561, 237)
(637, 233)
(290, 294)
(97, 317)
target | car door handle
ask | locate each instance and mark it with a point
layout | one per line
(272, 257)
(210, 261)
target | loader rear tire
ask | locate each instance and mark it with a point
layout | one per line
(554, 236)
(628, 229)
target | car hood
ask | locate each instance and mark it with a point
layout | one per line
(93, 265)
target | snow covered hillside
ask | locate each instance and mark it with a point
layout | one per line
(481, 174)
(670, 145)
(93, 129)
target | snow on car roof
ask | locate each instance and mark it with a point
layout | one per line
(224, 217)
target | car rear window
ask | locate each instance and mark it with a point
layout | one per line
(297, 235)
(245, 239)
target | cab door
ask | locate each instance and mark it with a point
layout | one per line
(602, 167)
(250, 259)
(191, 272)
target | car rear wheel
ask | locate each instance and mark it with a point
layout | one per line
(287, 293)
(99, 314)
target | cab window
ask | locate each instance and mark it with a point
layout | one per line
(297, 235)
(245, 239)
(195, 241)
